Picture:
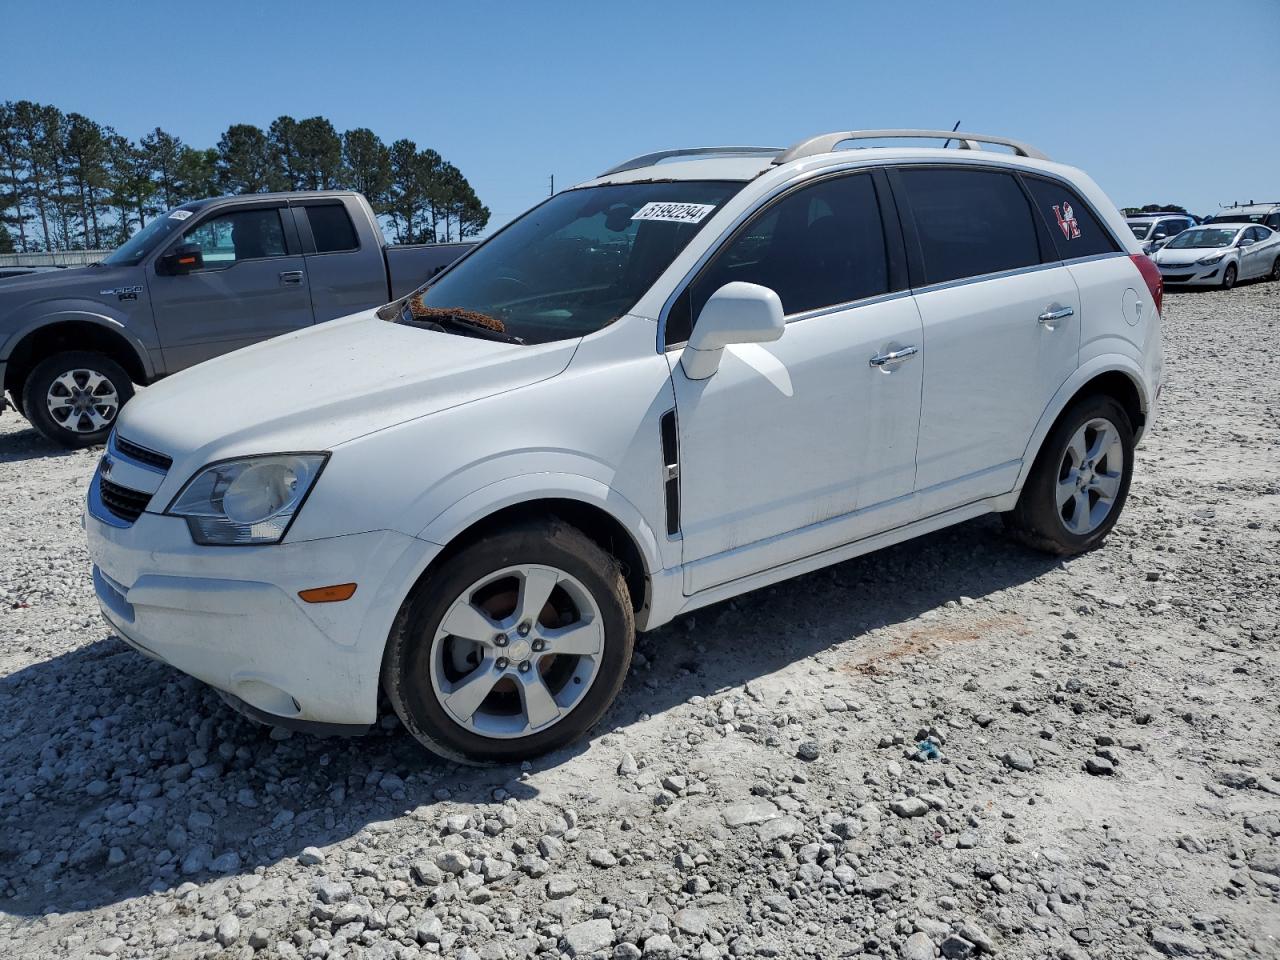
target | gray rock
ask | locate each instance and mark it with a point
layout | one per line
(1019, 759)
(331, 891)
(748, 812)
(1099, 766)
(453, 861)
(560, 887)
(228, 930)
(910, 807)
(310, 856)
(588, 937)
(956, 948)
(977, 936)
(660, 947)
(1175, 943)
(917, 947)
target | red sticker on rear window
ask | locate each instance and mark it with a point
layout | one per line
(1066, 220)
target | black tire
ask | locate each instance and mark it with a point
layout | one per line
(1275, 270)
(1229, 276)
(35, 394)
(407, 663)
(1037, 520)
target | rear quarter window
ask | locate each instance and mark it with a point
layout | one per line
(1075, 229)
(331, 227)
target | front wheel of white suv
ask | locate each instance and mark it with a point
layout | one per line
(515, 647)
(1080, 479)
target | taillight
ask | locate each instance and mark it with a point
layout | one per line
(1151, 273)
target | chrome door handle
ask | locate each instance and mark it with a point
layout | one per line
(893, 357)
(1050, 317)
(291, 276)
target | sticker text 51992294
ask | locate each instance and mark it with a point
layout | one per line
(673, 212)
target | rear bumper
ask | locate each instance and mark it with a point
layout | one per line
(231, 616)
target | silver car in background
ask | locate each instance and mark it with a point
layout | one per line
(1220, 254)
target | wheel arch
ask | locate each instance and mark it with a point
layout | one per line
(1116, 376)
(74, 332)
(608, 519)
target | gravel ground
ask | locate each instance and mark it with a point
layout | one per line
(954, 746)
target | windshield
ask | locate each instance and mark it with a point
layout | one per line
(572, 265)
(1202, 237)
(1140, 230)
(135, 249)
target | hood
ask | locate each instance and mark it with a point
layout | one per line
(317, 388)
(83, 282)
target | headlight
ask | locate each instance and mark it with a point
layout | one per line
(1211, 259)
(247, 501)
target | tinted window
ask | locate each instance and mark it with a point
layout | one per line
(239, 235)
(1273, 221)
(1073, 226)
(332, 228)
(816, 247)
(970, 222)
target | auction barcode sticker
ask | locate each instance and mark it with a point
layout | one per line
(675, 212)
(179, 214)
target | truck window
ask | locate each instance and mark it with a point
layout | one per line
(238, 235)
(331, 227)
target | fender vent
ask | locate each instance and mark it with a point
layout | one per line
(671, 471)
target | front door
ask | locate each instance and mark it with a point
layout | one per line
(253, 286)
(800, 445)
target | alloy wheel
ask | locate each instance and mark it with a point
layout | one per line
(1090, 476)
(83, 401)
(517, 651)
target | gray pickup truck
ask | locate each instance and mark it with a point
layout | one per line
(202, 280)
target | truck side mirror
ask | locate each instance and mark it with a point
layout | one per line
(736, 313)
(181, 260)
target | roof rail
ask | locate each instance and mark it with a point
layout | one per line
(649, 159)
(827, 142)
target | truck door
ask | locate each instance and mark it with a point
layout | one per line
(346, 271)
(252, 286)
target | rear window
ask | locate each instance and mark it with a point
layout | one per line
(1075, 230)
(331, 227)
(970, 222)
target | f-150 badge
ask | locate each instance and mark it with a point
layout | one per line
(124, 293)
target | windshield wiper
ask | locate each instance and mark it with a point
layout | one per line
(482, 327)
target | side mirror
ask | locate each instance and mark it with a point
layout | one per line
(1245, 242)
(181, 260)
(1159, 236)
(736, 313)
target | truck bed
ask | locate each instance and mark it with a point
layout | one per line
(411, 265)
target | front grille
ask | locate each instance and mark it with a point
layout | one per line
(121, 501)
(142, 454)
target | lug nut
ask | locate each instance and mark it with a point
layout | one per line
(523, 629)
(524, 667)
(539, 646)
(500, 639)
(501, 663)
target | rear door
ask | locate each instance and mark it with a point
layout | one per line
(1001, 325)
(252, 286)
(346, 271)
(1257, 257)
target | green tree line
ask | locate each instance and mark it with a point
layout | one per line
(70, 183)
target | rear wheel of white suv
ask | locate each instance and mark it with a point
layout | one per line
(1080, 479)
(514, 648)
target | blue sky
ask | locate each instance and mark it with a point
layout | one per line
(513, 93)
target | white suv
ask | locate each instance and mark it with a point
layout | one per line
(702, 372)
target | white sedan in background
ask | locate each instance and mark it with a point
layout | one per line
(1219, 254)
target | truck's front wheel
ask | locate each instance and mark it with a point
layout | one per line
(73, 398)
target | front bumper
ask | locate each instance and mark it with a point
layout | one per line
(1191, 274)
(231, 616)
